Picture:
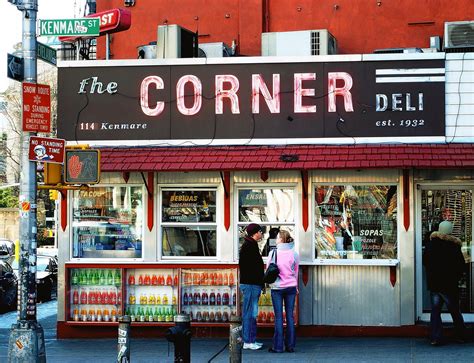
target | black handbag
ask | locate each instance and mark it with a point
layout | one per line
(272, 271)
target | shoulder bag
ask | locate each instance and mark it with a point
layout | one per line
(272, 271)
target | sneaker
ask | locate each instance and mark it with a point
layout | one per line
(435, 343)
(257, 343)
(252, 346)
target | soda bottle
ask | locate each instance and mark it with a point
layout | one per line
(197, 298)
(206, 278)
(150, 314)
(151, 299)
(218, 316)
(117, 280)
(106, 314)
(105, 297)
(186, 278)
(202, 278)
(155, 315)
(110, 278)
(147, 280)
(225, 316)
(75, 277)
(204, 298)
(95, 280)
(231, 278)
(161, 280)
(174, 300)
(87, 277)
(158, 299)
(205, 316)
(190, 298)
(113, 298)
(92, 316)
(219, 279)
(140, 280)
(142, 315)
(102, 279)
(154, 280)
(212, 298)
(83, 297)
(225, 298)
(131, 299)
(234, 297)
(131, 279)
(75, 315)
(75, 297)
(195, 279)
(218, 299)
(198, 316)
(83, 314)
(132, 315)
(99, 297)
(91, 297)
(99, 315)
(82, 280)
(175, 280)
(114, 315)
(185, 298)
(119, 297)
(165, 299)
(169, 280)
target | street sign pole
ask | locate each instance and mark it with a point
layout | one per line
(26, 343)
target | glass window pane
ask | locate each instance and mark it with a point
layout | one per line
(356, 222)
(181, 206)
(108, 222)
(266, 205)
(189, 241)
(268, 241)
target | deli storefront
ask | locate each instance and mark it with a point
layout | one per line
(348, 153)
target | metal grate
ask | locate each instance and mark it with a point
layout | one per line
(315, 43)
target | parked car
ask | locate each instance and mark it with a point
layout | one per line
(7, 248)
(46, 276)
(8, 287)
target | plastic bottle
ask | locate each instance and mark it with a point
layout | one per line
(225, 298)
(197, 298)
(212, 298)
(165, 299)
(154, 280)
(95, 277)
(234, 297)
(81, 277)
(102, 279)
(226, 279)
(161, 280)
(132, 315)
(83, 297)
(99, 315)
(231, 278)
(117, 279)
(131, 298)
(75, 315)
(110, 278)
(147, 280)
(83, 314)
(158, 299)
(185, 298)
(99, 297)
(150, 314)
(174, 300)
(175, 280)
(169, 280)
(114, 315)
(113, 297)
(75, 277)
(151, 299)
(75, 297)
(105, 297)
(204, 298)
(131, 279)
(119, 297)
(142, 314)
(140, 280)
(218, 299)
(219, 279)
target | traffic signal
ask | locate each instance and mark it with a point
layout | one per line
(53, 194)
(52, 174)
(82, 166)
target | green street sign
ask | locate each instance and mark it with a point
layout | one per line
(70, 27)
(46, 53)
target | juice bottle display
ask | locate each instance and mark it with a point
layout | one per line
(165, 299)
(225, 298)
(204, 298)
(169, 280)
(218, 299)
(154, 280)
(75, 297)
(131, 279)
(231, 278)
(219, 279)
(226, 279)
(102, 279)
(147, 280)
(140, 280)
(175, 280)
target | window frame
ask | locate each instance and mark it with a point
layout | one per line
(108, 259)
(353, 262)
(219, 211)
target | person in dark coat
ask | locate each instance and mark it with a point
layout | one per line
(251, 284)
(444, 264)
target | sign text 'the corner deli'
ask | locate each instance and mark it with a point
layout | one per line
(243, 102)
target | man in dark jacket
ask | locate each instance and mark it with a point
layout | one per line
(444, 264)
(251, 284)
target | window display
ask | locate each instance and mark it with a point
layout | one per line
(355, 222)
(209, 295)
(188, 222)
(108, 222)
(272, 208)
(95, 295)
(152, 295)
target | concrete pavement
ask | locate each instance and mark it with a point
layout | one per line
(353, 349)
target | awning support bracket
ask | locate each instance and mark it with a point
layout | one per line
(146, 185)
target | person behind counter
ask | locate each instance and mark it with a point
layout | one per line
(284, 290)
(251, 284)
(444, 264)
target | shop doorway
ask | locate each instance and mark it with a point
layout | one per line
(436, 204)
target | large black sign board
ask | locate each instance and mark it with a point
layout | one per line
(386, 99)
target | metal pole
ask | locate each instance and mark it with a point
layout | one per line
(235, 340)
(123, 347)
(26, 342)
(107, 46)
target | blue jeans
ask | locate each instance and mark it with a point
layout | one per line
(251, 293)
(287, 295)
(452, 303)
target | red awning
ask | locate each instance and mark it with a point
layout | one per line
(299, 157)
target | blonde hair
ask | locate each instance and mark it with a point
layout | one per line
(285, 236)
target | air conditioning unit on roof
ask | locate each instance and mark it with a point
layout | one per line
(299, 43)
(398, 50)
(459, 35)
(214, 50)
(176, 42)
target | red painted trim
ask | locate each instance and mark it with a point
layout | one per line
(63, 211)
(264, 175)
(406, 199)
(305, 274)
(227, 200)
(126, 176)
(151, 207)
(393, 275)
(305, 201)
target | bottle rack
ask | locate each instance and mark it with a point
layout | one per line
(152, 295)
(95, 294)
(209, 295)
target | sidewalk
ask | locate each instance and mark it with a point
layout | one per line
(318, 349)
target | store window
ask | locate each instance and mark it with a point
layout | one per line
(107, 222)
(188, 222)
(355, 221)
(272, 208)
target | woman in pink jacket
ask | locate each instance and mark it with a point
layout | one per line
(284, 289)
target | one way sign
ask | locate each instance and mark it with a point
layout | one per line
(15, 67)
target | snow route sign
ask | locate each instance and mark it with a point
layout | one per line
(36, 107)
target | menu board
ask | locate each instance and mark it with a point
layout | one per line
(183, 206)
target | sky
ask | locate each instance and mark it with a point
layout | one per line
(11, 20)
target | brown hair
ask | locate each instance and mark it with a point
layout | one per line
(285, 236)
